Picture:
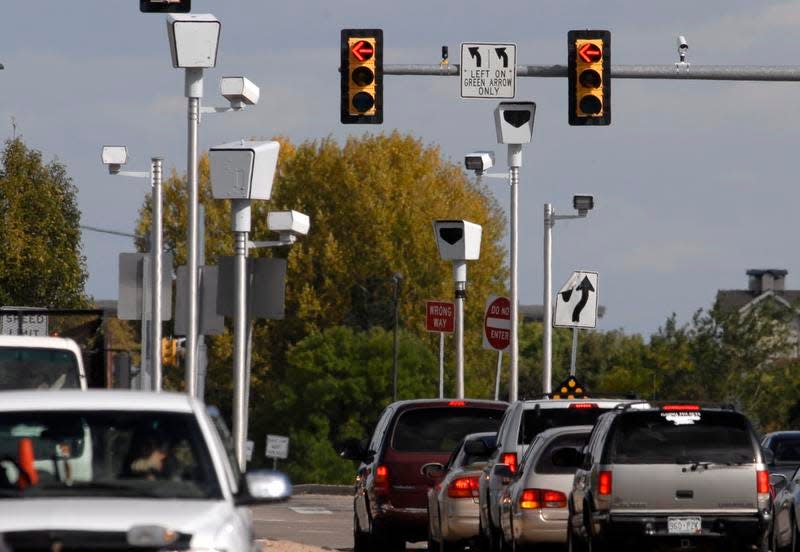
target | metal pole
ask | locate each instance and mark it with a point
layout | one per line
(547, 314)
(497, 377)
(241, 228)
(145, 374)
(202, 350)
(514, 161)
(765, 73)
(573, 365)
(157, 225)
(441, 365)
(194, 91)
(397, 280)
(460, 273)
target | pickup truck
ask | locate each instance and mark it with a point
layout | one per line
(29, 362)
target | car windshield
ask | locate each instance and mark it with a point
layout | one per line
(441, 429)
(537, 420)
(159, 455)
(787, 450)
(681, 438)
(28, 368)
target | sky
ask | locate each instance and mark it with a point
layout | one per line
(694, 181)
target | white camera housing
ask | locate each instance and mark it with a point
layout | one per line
(514, 122)
(479, 161)
(243, 170)
(115, 157)
(193, 40)
(683, 45)
(458, 240)
(288, 222)
(239, 91)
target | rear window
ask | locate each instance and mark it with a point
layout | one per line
(537, 420)
(787, 450)
(441, 429)
(30, 368)
(680, 437)
(545, 463)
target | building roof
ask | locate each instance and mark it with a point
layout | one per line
(774, 272)
(735, 299)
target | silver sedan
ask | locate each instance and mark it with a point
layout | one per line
(453, 514)
(534, 505)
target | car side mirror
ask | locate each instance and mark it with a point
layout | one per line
(263, 487)
(503, 472)
(778, 480)
(769, 456)
(567, 457)
(353, 449)
(433, 472)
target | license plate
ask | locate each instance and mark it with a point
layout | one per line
(684, 526)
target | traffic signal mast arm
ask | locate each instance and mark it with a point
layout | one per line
(763, 73)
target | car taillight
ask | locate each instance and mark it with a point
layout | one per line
(680, 408)
(762, 482)
(604, 483)
(583, 406)
(382, 480)
(464, 487)
(457, 403)
(535, 499)
(510, 459)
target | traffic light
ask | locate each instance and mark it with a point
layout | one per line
(589, 75)
(169, 351)
(362, 76)
(165, 6)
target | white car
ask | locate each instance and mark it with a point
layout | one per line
(32, 362)
(116, 469)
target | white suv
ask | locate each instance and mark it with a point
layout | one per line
(119, 469)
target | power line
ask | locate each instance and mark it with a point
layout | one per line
(106, 231)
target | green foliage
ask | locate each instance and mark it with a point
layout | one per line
(40, 261)
(337, 383)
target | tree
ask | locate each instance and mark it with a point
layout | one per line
(337, 383)
(40, 261)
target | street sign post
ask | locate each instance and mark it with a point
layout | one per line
(277, 447)
(576, 302)
(440, 317)
(488, 70)
(576, 307)
(497, 324)
(23, 324)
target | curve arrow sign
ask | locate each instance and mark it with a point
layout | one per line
(585, 287)
(501, 53)
(475, 52)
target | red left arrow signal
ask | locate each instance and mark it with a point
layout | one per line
(363, 50)
(590, 53)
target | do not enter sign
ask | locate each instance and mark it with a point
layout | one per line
(497, 324)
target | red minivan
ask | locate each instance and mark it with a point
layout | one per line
(391, 493)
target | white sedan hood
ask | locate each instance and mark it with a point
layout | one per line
(200, 518)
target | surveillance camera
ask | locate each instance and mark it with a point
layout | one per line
(514, 122)
(193, 40)
(243, 170)
(682, 44)
(583, 203)
(114, 157)
(458, 240)
(479, 161)
(290, 222)
(239, 91)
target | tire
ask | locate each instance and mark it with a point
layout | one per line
(361, 540)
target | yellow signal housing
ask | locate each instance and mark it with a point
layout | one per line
(360, 70)
(588, 84)
(589, 75)
(362, 76)
(169, 352)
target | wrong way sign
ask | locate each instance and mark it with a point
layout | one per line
(440, 316)
(576, 302)
(497, 324)
(488, 70)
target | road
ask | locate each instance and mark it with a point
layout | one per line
(316, 520)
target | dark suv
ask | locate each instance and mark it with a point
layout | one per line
(677, 476)
(391, 492)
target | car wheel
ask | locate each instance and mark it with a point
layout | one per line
(361, 540)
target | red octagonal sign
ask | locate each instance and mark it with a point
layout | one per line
(497, 324)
